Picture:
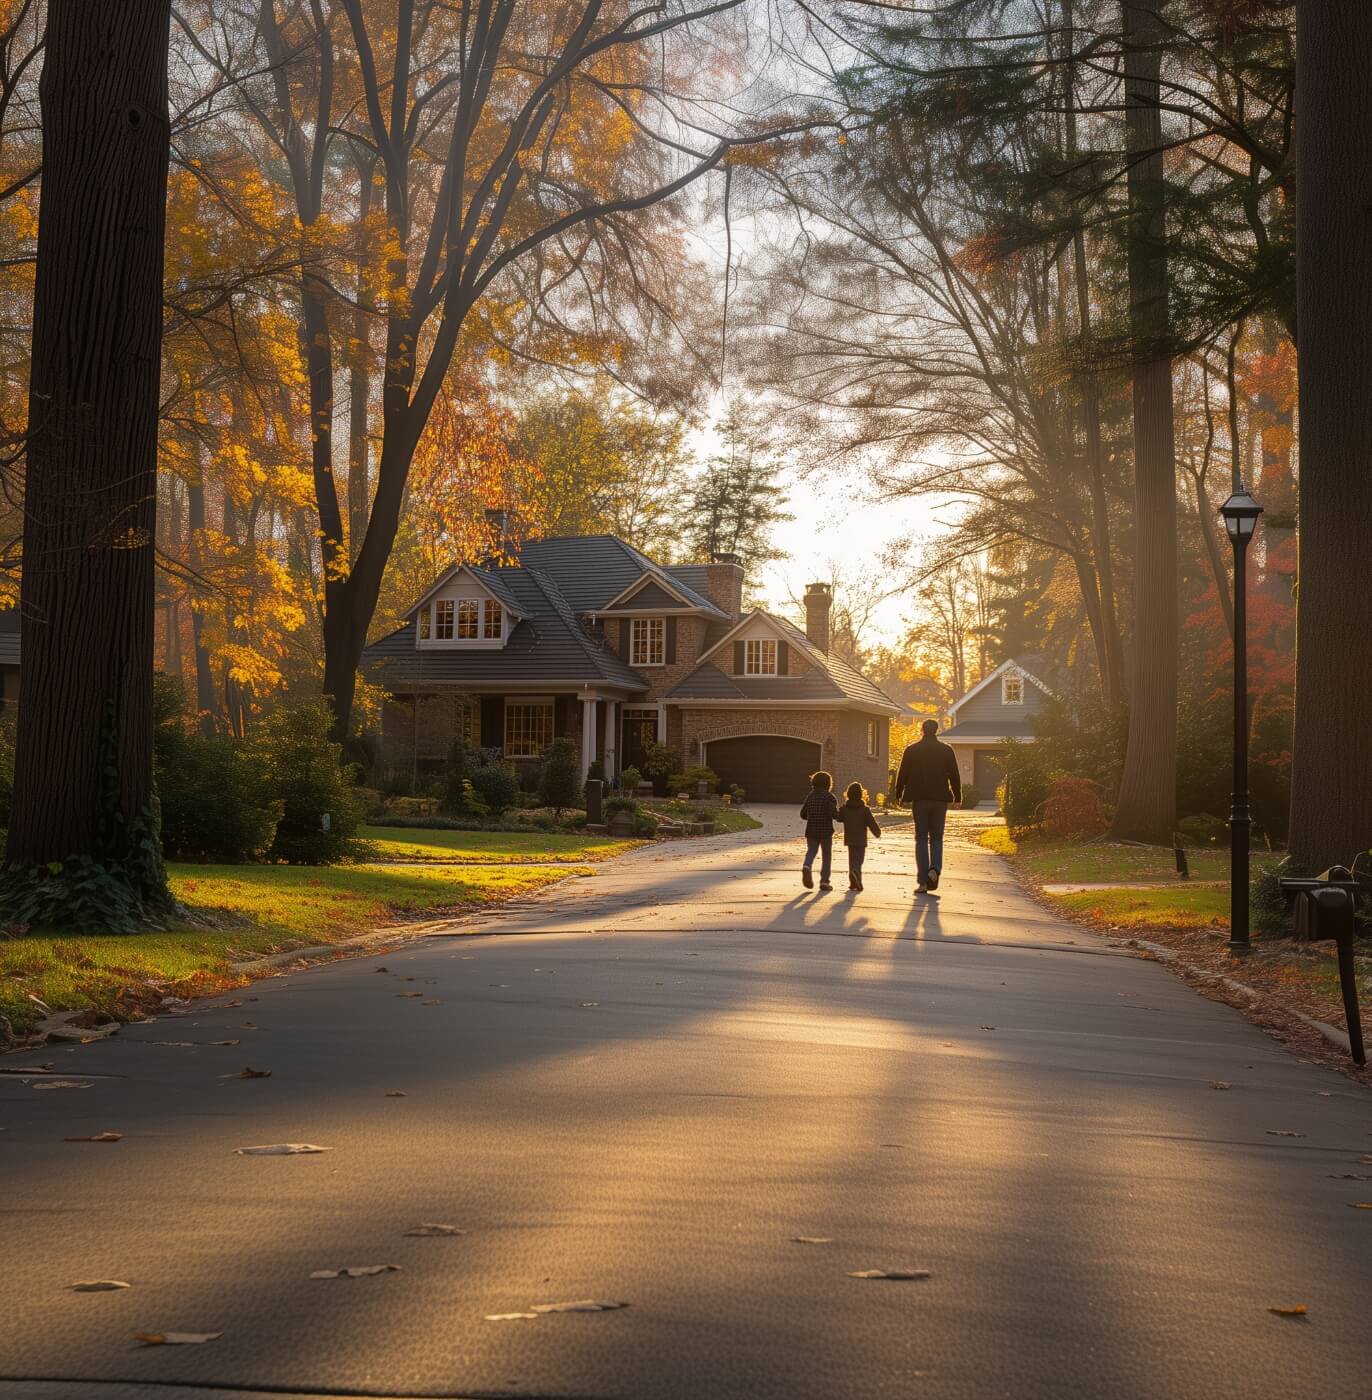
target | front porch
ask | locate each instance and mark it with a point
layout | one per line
(418, 729)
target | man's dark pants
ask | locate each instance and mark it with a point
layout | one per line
(929, 820)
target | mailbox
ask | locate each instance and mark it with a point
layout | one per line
(1324, 909)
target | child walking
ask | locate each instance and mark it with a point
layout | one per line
(857, 820)
(819, 810)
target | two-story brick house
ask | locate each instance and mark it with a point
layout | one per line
(998, 710)
(589, 639)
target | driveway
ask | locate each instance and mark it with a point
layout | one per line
(646, 1087)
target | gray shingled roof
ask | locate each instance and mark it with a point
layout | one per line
(9, 637)
(830, 678)
(548, 646)
(651, 595)
(591, 570)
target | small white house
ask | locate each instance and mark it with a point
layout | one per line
(990, 715)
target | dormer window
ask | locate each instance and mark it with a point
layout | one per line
(443, 620)
(760, 657)
(1011, 689)
(466, 619)
(647, 641)
(491, 621)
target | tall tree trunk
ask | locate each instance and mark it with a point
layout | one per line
(360, 386)
(1331, 791)
(83, 777)
(1147, 805)
(206, 699)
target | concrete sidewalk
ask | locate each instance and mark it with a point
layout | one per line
(644, 1087)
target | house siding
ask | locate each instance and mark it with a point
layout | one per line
(988, 706)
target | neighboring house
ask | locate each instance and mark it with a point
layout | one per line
(586, 638)
(9, 657)
(992, 714)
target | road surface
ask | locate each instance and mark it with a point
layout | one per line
(644, 1087)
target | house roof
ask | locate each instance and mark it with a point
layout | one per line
(593, 570)
(547, 646)
(1030, 666)
(829, 677)
(488, 578)
(649, 594)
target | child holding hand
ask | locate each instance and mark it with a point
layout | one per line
(857, 820)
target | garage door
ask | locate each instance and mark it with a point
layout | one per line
(767, 767)
(988, 772)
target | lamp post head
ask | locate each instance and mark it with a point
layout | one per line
(1240, 513)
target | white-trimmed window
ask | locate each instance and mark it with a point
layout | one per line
(647, 641)
(528, 726)
(873, 739)
(1012, 688)
(425, 622)
(760, 657)
(443, 620)
(468, 615)
(491, 620)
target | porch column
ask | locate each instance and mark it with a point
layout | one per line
(611, 740)
(588, 713)
(662, 724)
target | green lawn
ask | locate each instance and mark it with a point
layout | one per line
(488, 847)
(1200, 902)
(259, 909)
(726, 819)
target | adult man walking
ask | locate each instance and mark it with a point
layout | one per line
(928, 780)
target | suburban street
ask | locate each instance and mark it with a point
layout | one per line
(647, 1087)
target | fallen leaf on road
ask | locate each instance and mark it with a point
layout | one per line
(357, 1271)
(1349, 1176)
(590, 1003)
(1325, 1093)
(988, 1028)
(279, 1149)
(431, 1001)
(426, 1230)
(223, 1042)
(396, 1094)
(1220, 1084)
(177, 1044)
(62, 1084)
(1295, 1310)
(583, 1305)
(507, 1317)
(1282, 1132)
(900, 1274)
(247, 1025)
(98, 1285)
(811, 1239)
(225, 1005)
(380, 969)
(249, 1073)
(497, 984)
(176, 1339)
(409, 994)
(28, 1069)
(1360, 1205)
(98, 1137)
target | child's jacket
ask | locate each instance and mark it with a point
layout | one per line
(820, 810)
(857, 822)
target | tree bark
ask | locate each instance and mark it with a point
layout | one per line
(360, 384)
(206, 700)
(83, 776)
(1146, 810)
(1331, 790)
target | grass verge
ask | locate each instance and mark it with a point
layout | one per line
(393, 843)
(726, 819)
(257, 910)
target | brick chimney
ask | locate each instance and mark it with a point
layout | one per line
(819, 599)
(724, 586)
(503, 547)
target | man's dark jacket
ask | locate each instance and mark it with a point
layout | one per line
(928, 773)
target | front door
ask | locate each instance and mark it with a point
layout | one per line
(988, 772)
(640, 730)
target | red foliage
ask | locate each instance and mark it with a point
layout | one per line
(1075, 809)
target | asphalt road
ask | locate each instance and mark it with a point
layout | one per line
(642, 1087)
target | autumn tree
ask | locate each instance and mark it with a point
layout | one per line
(82, 839)
(519, 150)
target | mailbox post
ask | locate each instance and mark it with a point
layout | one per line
(1324, 909)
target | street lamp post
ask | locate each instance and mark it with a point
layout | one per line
(1240, 514)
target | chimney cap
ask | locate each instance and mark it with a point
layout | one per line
(725, 559)
(819, 588)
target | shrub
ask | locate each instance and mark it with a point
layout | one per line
(495, 785)
(456, 771)
(1074, 809)
(215, 803)
(629, 779)
(561, 776)
(686, 780)
(371, 801)
(660, 761)
(971, 795)
(300, 765)
(596, 771)
(645, 824)
(620, 804)
(1267, 905)
(531, 779)
(1025, 787)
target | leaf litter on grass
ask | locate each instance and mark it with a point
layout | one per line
(176, 1339)
(357, 1271)
(429, 1230)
